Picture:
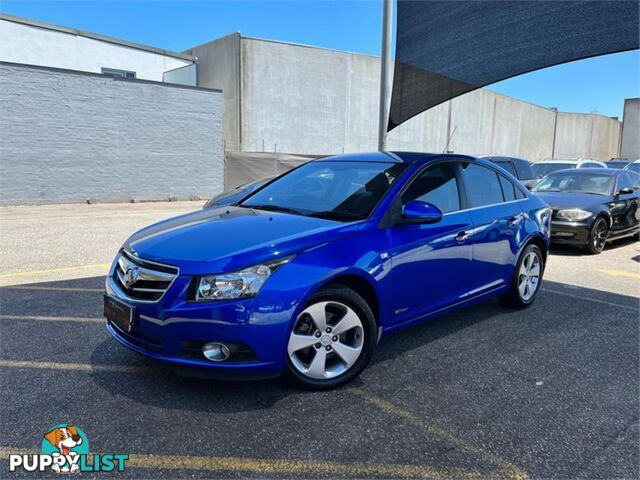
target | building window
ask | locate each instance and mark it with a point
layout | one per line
(114, 72)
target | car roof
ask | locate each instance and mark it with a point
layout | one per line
(559, 160)
(501, 157)
(390, 157)
(582, 171)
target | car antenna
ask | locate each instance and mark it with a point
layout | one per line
(446, 147)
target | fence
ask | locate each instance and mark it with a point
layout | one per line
(244, 167)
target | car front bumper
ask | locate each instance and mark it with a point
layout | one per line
(571, 233)
(173, 332)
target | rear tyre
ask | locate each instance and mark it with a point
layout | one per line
(332, 339)
(598, 236)
(527, 278)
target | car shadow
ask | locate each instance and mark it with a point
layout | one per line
(157, 385)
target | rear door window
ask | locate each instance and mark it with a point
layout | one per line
(508, 189)
(482, 185)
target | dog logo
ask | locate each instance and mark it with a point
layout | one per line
(69, 442)
(130, 275)
(65, 449)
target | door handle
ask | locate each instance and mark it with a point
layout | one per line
(463, 236)
(513, 220)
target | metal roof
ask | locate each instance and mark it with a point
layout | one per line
(95, 36)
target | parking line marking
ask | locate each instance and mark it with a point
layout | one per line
(620, 273)
(40, 318)
(84, 367)
(589, 299)
(507, 469)
(52, 289)
(55, 270)
(264, 465)
(87, 216)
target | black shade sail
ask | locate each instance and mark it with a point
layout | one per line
(447, 48)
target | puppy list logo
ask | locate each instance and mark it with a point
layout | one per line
(65, 449)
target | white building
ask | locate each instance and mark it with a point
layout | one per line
(35, 43)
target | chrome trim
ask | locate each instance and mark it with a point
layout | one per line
(136, 258)
(126, 262)
(568, 224)
(485, 206)
(142, 272)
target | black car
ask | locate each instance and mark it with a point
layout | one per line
(591, 206)
(518, 167)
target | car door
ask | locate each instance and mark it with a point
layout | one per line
(624, 208)
(497, 218)
(430, 262)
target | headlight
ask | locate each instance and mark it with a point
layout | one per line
(573, 215)
(244, 283)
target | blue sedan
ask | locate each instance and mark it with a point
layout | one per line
(308, 273)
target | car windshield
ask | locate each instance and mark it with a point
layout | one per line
(343, 191)
(577, 182)
(541, 169)
(634, 167)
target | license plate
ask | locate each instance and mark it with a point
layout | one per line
(118, 313)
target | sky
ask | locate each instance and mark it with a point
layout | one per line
(597, 85)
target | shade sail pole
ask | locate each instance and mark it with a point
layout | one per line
(385, 73)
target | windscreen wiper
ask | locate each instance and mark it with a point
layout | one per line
(273, 208)
(338, 215)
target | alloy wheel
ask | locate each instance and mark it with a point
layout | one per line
(326, 341)
(529, 276)
(600, 235)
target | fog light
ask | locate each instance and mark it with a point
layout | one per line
(216, 352)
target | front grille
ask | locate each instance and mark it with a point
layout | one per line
(142, 280)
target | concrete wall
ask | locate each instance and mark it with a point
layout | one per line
(21, 43)
(295, 97)
(587, 136)
(67, 136)
(219, 67)
(630, 147)
(302, 99)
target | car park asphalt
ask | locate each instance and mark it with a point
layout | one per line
(546, 392)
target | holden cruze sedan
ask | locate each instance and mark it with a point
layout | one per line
(592, 206)
(308, 273)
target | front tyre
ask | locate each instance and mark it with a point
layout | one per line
(526, 281)
(332, 339)
(598, 236)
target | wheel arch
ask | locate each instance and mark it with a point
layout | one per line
(362, 286)
(606, 215)
(538, 242)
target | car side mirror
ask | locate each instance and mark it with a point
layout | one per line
(416, 212)
(625, 191)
